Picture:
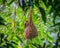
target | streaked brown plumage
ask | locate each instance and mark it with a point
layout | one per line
(30, 30)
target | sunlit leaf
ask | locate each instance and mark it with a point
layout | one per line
(13, 24)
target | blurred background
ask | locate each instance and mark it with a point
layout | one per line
(45, 16)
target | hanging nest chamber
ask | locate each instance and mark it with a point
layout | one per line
(30, 29)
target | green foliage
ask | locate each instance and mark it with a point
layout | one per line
(45, 16)
(1, 21)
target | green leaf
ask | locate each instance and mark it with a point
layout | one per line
(36, 45)
(19, 38)
(11, 2)
(22, 3)
(56, 24)
(1, 18)
(30, 2)
(54, 17)
(14, 43)
(3, 1)
(43, 14)
(37, 3)
(2, 21)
